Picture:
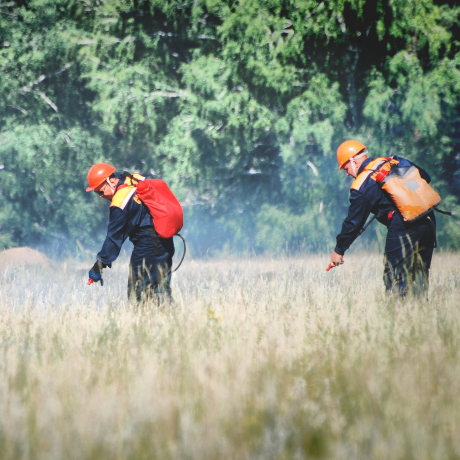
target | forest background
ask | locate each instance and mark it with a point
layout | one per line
(238, 105)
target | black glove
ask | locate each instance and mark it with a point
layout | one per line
(95, 272)
(98, 266)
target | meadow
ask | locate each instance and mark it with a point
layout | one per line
(257, 358)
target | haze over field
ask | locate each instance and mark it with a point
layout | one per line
(257, 358)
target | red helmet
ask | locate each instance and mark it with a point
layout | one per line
(97, 174)
(347, 150)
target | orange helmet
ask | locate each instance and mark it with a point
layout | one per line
(98, 173)
(347, 150)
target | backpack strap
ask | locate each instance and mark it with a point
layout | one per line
(135, 177)
(373, 167)
(447, 213)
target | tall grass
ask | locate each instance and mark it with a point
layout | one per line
(256, 359)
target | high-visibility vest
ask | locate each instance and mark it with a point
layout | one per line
(125, 191)
(411, 194)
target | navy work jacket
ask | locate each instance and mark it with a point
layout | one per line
(129, 217)
(370, 198)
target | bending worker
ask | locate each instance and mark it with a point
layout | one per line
(151, 259)
(409, 244)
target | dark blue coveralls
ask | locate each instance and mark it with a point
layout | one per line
(409, 246)
(151, 259)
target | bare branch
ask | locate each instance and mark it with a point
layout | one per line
(48, 101)
(18, 108)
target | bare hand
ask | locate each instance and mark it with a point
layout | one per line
(336, 260)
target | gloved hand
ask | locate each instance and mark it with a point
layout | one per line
(94, 278)
(95, 272)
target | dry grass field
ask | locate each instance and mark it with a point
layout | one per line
(256, 359)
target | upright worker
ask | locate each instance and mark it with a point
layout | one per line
(411, 238)
(151, 259)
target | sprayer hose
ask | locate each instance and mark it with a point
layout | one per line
(183, 255)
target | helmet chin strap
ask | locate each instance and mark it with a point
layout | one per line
(353, 167)
(110, 185)
(352, 163)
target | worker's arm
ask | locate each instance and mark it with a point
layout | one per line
(116, 235)
(358, 212)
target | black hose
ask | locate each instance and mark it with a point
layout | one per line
(183, 255)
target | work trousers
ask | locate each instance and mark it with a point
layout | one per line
(407, 259)
(150, 269)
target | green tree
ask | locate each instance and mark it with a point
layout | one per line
(238, 105)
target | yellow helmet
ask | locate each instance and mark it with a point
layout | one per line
(347, 150)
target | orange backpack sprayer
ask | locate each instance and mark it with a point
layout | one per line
(411, 194)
